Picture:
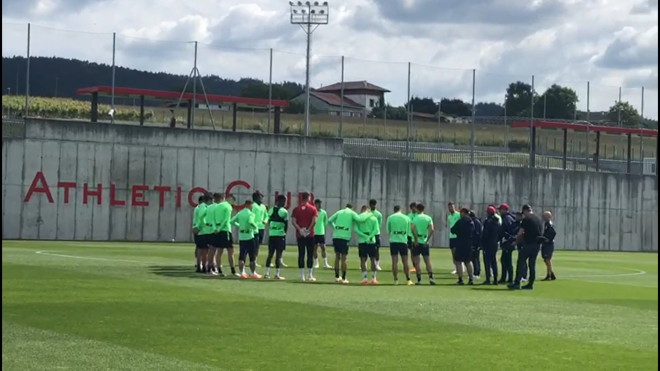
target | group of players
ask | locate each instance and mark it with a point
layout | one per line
(409, 234)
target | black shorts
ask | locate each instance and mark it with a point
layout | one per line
(319, 239)
(202, 241)
(398, 248)
(463, 254)
(377, 241)
(276, 243)
(367, 250)
(422, 249)
(246, 248)
(221, 240)
(259, 238)
(341, 246)
(547, 249)
(410, 243)
(453, 243)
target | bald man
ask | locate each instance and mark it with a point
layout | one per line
(548, 246)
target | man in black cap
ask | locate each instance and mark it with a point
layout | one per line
(531, 236)
(489, 241)
(507, 237)
(476, 244)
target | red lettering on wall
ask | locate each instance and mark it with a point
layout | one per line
(138, 192)
(67, 186)
(113, 196)
(234, 184)
(87, 193)
(178, 197)
(38, 185)
(192, 193)
(137, 195)
(161, 194)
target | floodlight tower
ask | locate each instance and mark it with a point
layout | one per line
(309, 16)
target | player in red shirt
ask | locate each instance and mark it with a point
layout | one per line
(303, 219)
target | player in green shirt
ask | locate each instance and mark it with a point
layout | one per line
(261, 218)
(219, 217)
(201, 240)
(212, 266)
(246, 224)
(278, 222)
(379, 219)
(319, 236)
(342, 225)
(452, 217)
(398, 229)
(366, 230)
(422, 230)
(411, 215)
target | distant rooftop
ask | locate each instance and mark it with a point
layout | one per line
(353, 85)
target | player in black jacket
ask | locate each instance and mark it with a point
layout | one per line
(489, 241)
(548, 246)
(515, 227)
(507, 241)
(476, 244)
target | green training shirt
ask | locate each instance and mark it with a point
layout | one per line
(397, 226)
(342, 223)
(260, 215)
(411, 217)
(366, 228)
(379, 219)
(452, 218)
(422, 223)
(221, 219)
(244, 220)
(276, 229)
(206, 220)
(321, 223)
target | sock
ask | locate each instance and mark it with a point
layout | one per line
(233, 270)
(419, 277)
(336, 272)
(309, 272)
(378, 263)
(316, 261)
(302, 272)
(325, 261)
(343, 275)
(395, 277)
(430, 275)
(373, 275)
(267, 271)
(407, 277)
(364, 275)
(277, 272)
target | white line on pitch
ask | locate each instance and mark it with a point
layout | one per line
(85, 257)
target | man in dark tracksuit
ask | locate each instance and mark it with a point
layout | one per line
(476, 244)
(515, 227)
(531, 235)
(507, 238)
(548, 246)
(489, 239)
(463, 229)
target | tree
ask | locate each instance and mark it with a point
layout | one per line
(629, 115)
(489, 109)
(261, 90)
(519, 99)
(422, 105)
(295, 107)
(557, 102)
(455, 107)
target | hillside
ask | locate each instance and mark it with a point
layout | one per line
(59, 77)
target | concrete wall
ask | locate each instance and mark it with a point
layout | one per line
(146, 175)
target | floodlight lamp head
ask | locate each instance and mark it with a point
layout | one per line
(307, 3)
(291, 3)
(321, 11)
(312, 11)
(316, 3)
(300, 3)
(325, 3)
(295, 11)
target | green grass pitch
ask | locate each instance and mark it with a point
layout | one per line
(138, 306)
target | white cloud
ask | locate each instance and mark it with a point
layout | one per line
(568, 42)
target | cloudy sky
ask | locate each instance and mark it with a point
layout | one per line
(606, 42)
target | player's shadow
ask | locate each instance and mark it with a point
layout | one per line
(177, 271)
(492, 288)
